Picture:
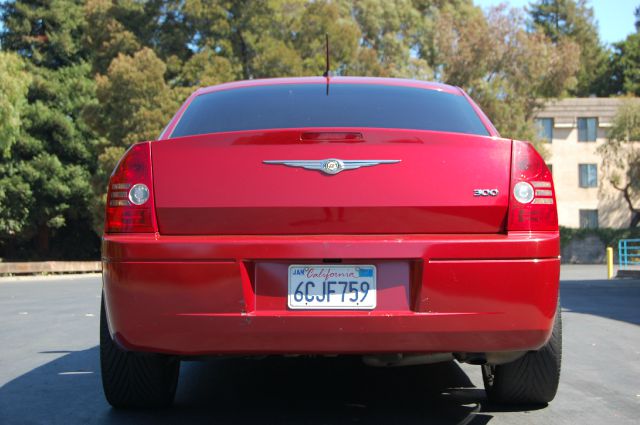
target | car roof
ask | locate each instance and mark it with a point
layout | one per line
(332, 80)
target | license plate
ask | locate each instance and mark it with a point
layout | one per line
(345, 287)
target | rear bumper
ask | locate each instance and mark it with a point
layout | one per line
(193, 295)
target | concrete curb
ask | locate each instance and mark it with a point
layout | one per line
(26, 278)
(50, 267)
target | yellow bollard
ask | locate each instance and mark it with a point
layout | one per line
(609, 262)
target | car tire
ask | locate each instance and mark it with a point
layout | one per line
(132, 379)
(533, 378)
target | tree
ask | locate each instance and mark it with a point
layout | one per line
(506, 69)
(253, 35)
(134, 100)
(205, 68)
(624, 73)
(105, 36)
(52, 160)
(322, 18)
(15, 195)
(573, 19)
(49, 162)
(621, 156)
(393, 34)
(626, 66)
(14, 82)
(124, 27)
(278, 38)
(48, 33)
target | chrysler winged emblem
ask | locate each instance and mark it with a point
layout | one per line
(332, 165)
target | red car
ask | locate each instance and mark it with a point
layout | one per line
(377, 217)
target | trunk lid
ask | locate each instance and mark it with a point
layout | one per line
(218, 184)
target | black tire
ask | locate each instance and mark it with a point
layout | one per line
(135, 379)
(533, 378)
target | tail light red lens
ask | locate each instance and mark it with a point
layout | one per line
(130, 207)
(532, 202)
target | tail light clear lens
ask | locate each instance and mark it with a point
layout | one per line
(523, 192)
(532, 203)
(130, 207)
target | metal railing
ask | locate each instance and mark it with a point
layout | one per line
(628, 253)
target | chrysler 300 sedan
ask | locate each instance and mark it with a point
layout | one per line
(383, 218)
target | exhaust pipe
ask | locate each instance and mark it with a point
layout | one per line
(495, 358)
(397, 360)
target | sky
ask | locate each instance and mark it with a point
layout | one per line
(615, 17)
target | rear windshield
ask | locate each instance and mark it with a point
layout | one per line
(346, 105)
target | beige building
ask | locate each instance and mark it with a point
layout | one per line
(575, 128)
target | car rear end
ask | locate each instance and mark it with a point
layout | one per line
(351, 216)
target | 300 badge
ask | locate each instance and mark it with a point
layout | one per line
(485, 192)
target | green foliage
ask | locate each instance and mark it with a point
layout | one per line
(48, 33)
(622, 75)
(573, 20)
(14, 82)
(205, 68)
(16, 200)
(392, 33)
(625, 66)
(134, 100)
(46, 181)
(105, 35)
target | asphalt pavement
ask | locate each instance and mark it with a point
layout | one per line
(49, 370)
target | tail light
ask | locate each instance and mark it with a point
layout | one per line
(130, 207)
(532, 202)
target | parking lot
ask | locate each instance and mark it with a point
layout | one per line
(49, 370)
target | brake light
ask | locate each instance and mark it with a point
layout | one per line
(532, 203)
(130, 207)
(332, 136)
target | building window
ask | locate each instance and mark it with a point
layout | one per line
(545, 129)
(588, 175)
(589, 219)
(587, 129)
